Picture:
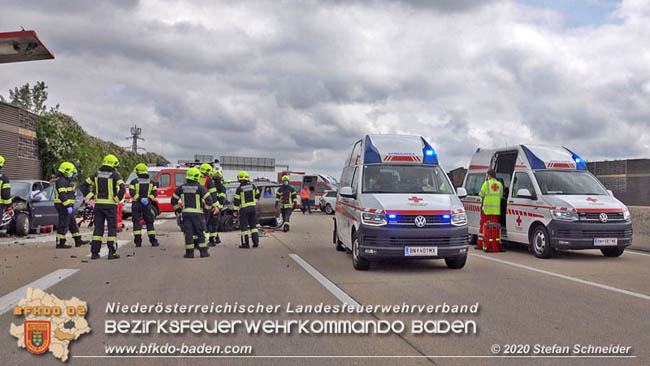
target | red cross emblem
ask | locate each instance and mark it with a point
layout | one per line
(495, 187)
(592, 199)
(518, 220)
(416, 199)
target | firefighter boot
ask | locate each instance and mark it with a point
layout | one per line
(204, 252)
(244, 242)
(79, 242)
(256, 239)
(60, 244)
(217, 240)
(137, 239)
(285, 228)
(95, 246)
(189, 253)
(211, 242)
(112, 251)
(153, 241)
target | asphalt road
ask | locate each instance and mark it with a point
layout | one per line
(575, 298)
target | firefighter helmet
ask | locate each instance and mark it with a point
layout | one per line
(242, 176)
(285, 178)
(206, 169)
(193, 174)
(2, 161)
(219, 173)
(111, 160)
(67, 168)
(141, 169)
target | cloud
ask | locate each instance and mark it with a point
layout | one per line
(301, 81)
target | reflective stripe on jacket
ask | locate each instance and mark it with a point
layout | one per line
(492, 192)
(246, 195)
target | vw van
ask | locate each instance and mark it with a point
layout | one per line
(551, 201)
(396, 201)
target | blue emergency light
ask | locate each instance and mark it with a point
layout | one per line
(430, 156)
(446, 216)
(392, 216)
(580, 163)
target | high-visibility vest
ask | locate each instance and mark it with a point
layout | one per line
(491, 191)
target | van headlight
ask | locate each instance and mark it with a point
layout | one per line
(459, 219)
(373, 219)
(626, 215)
(564, 215)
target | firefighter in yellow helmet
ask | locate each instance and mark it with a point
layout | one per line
(194, 198)
(64, 200)
(286, 199)
(211, 213)
(106, 187)
(213, 227)
(245, 202)
(5, 189)
(143, 192)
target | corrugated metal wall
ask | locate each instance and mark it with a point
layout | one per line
(18, 143)
(628, 179)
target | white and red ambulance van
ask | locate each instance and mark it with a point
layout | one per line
(551, 201)
(395, 201)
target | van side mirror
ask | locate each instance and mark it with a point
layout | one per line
(525, 193)
(461, 192)
(347, 192)
(611, 193)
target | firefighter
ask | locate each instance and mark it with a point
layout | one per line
(64, 200)
(209, 184)
(221, 198)
(245, 202)
(286, 198)
(106, 187)
(492, 193)
(5, 189)
(194, 198)
(143, 192)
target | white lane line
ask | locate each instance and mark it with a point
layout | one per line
(637, 253)
(8, 301)
(574, 279)
(329, 285)
(103, 252)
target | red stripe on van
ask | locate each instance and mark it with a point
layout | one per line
(419, 212)
(600, 210)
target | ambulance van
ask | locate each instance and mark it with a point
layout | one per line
(550, 201)
(396, 201)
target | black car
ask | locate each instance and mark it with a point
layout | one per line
(33, 206)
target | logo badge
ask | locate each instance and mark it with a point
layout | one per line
(37, 335)
(603, 217)
(416, 199)
(420, 221)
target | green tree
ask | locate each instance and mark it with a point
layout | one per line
(32, 99)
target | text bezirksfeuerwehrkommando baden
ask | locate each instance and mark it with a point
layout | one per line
(289, 308)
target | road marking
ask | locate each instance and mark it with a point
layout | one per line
(103, 252)
(329, 285)
(637, 253)
(11, 299)
(574, 279)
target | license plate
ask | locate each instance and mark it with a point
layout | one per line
(420, 251)
(599, 242)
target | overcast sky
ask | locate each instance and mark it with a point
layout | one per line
(301, 80)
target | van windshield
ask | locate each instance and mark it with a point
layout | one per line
(405, 179)
(556, 182)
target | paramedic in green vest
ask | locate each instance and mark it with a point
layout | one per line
(492, 193)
